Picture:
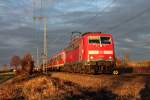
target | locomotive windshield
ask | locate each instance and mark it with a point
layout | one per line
(99, 40)
(94, 39)
(105, 40)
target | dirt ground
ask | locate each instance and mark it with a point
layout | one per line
(69, 86)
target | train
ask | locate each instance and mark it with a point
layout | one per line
(88, 52)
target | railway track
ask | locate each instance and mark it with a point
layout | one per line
(99, 81)
(105, 75)
(5, 76)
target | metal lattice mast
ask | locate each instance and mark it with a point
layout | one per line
(45, 51)
(35, 30)
(44, 55)
(37, 49)
(37, 57)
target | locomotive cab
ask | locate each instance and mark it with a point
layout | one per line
(99, 51)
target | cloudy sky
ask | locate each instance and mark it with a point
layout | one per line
(127, 20)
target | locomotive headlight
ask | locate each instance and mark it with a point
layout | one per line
(91, 57)
(14, 70)
(110, 57)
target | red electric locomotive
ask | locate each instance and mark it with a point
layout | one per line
(91, 52)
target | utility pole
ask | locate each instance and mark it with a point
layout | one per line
(43, 19)
(37, 57)
(45, 48)
(37, 49)
(45, 45)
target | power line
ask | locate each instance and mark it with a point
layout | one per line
(102, 10)
(129, 19)
(113, 1)
(68, 32)
(93, 17)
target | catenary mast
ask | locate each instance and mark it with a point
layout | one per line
(44, 55)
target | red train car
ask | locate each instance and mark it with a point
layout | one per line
(91, 52)
(57, 61)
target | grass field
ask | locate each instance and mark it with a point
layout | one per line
(69, 86)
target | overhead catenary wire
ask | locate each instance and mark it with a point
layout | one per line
(118, 25)
(97, 14)
(102, 10)
(69, 32)
(93, 17)
(128, 20)
(134, 17)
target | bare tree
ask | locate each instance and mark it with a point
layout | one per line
(15, 61)
(27, 63)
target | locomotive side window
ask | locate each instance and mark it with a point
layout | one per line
(105, 40)
(94, 39)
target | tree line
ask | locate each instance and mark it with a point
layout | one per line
(22, 65)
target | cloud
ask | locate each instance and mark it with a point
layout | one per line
(65, 16)
(146, 47)
(128, 40)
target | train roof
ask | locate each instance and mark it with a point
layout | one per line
(83, 34)
(55, 55)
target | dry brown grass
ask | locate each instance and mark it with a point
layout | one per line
(39, 88)
(84, 80)
(60, 86)
(35, 89)
(87, 81)
(120, 85)
(8, 92)
(130, 88)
